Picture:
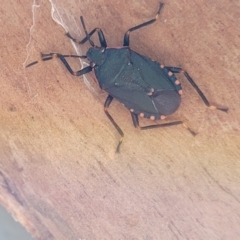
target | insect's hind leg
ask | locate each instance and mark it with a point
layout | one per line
(126, 39)
(168, 124)
(106, 105)
(200, 93)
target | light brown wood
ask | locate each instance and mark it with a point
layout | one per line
(60, 176)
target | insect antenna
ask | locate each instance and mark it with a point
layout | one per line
(85, 30)
(50, 56)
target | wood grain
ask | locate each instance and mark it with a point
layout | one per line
(60, 176)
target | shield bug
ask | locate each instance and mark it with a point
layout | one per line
(145, 87)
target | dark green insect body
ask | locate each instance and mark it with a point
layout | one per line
(142, 85)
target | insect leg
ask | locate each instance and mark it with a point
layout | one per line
(106, 105)
(205, 100)
(126, 38)
(168, 124)
(101, 37)
(50, 56)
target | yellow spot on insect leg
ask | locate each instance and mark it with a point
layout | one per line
(213, 107)
(170, 73)
(185, 125)
(141, 114)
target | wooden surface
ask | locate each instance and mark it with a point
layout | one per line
(60, 176)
